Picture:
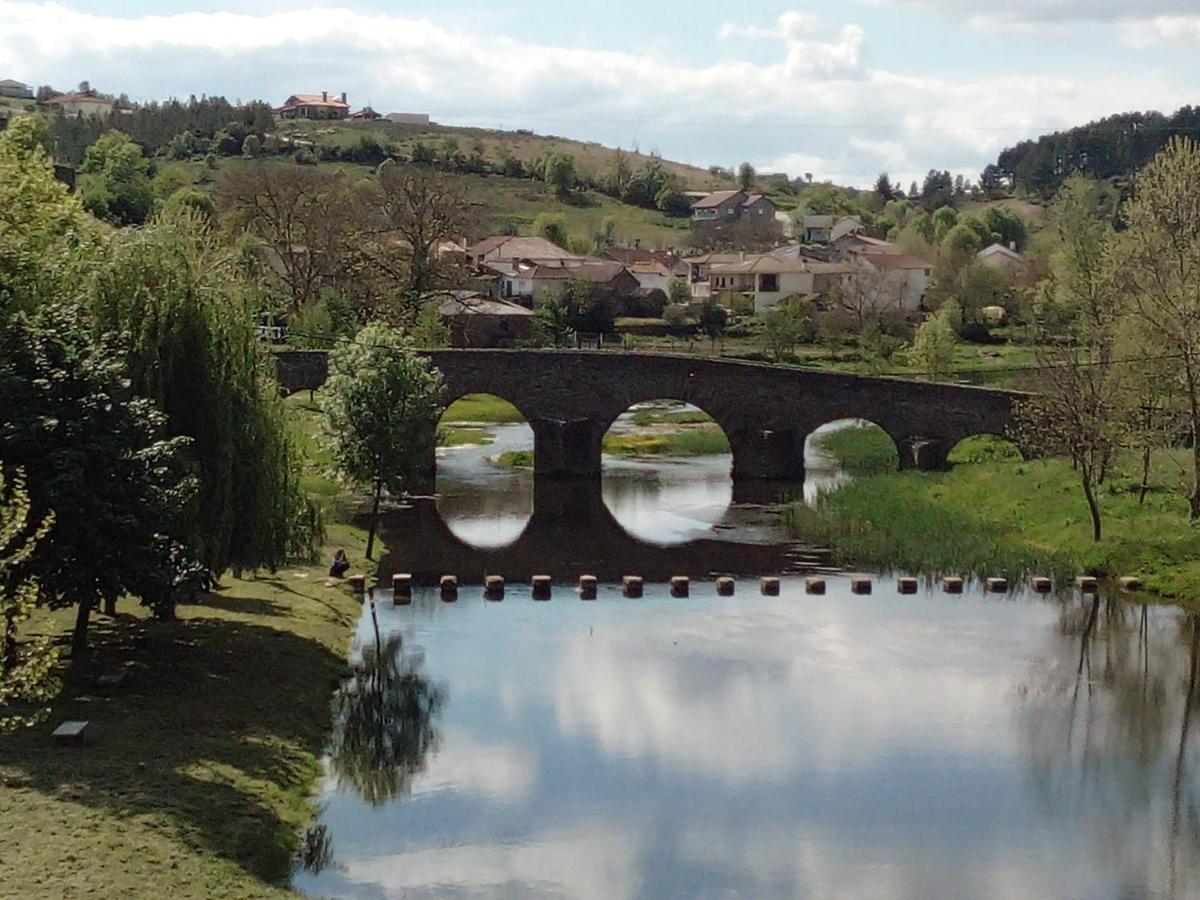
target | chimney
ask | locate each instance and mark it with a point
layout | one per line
(343, 96)
(324, 96)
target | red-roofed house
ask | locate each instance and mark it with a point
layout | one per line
(314, 106)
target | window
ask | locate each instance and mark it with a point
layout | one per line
(768, 283)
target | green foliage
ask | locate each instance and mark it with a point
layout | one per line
(192, 199)
(324, 322)
(552, 324)
(713, 319)
(746, 176)
(590, 307)
(117, 186)
(677, 320)
(786, 325)
(27, 681)
(383, 401)
(552, 227)
(44, 231)
(98, 459)
(1010, 227)
(933, 348)
(178, 296)
(861, 449)
(683, 442)
(516, 459)
(430, 329)
(559, 172)
(678, 293)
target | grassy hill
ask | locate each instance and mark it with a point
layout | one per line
(591, 158)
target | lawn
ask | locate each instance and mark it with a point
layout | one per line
(197, 776)
(485, 408)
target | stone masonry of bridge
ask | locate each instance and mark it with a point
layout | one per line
(571, 397)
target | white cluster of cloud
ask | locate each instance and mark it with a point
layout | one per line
(803, 98)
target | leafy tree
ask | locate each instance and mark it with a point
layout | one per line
(560, 173)
(672, 201)
(934, 345)
(678, 292)
(786, 325)
(938, 190)
(117, 188)
(945, 218)
(178, 295)
(27, 679)
(1008, 226)
(98, 458)
(552, 227)
(552, 325)
(884, 187)
(383, 401)
(591, 308)
(423, 154)
(252, 146)
(713, 319)
(41, 223)
(195, 200)
(677, 321)
(322, 324)
(746, 176)
(1159, 268)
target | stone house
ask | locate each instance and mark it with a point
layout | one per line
(476, 320)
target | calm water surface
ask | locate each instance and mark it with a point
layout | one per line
(799, 746)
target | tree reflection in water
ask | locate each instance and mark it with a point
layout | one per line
(1106, 723)
(383, 723)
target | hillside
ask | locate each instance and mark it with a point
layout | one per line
(591, 159)
(496, 204)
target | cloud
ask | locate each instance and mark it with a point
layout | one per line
(1183, 30)
(1060, 10)
(816, 106)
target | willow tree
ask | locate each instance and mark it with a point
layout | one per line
(178, 296)
(383, 401)
(27, 678)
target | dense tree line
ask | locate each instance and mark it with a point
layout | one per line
(1113, 147)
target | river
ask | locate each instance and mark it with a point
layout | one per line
(889, 746)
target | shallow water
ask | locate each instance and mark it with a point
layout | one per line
(795, 746)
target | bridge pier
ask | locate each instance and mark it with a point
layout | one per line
(923, 454)
(566, 448)
(767, 455)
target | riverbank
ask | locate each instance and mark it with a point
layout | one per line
(196, 779)
(1008, 518)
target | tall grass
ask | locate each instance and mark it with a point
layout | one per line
(685, 442)
(861, 450)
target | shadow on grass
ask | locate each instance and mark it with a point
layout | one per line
(216, 734)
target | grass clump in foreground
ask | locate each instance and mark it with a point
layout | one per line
(1008, 519)
(685, 442)
(462, 436)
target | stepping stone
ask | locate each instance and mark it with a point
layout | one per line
(70, 732)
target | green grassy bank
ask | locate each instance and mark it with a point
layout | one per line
(692, 441)
(197, 776)
(1011, 518)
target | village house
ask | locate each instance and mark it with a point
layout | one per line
(510, 247)
(815, 229)
(653, 269)
(532, 281)
(81, 106)
(476, 320)
(765, 278)
(365, 114)
(904, 278)
(1005, 258)
(314, 106)
(723, 207)
(15, 89)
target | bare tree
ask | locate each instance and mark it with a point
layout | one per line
(866, 295)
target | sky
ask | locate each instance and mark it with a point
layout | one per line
(840, 90)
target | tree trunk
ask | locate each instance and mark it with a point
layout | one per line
(110, 606)
(79, 636)
(1145, 485)
(10, 641)
(374, 518)
(1093, 508)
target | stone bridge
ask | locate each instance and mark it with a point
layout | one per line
(571, 397)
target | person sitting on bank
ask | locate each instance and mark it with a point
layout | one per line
(340, 564)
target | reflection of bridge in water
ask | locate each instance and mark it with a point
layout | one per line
(572, 532)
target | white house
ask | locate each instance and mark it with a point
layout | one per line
(768, 279)
(903, 278)
(81, 105)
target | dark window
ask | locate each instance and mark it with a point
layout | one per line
(768, 283)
